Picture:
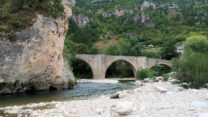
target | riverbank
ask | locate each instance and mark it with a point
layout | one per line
(99, 81)
(151, 99)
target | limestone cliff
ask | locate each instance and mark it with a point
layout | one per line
(35, 61)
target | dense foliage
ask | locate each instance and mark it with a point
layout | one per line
(168, 51)
(192, 67)
(142, 74)
(126, 47)
(81, 40)
(161, 69)
(158, 70)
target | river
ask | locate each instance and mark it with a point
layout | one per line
(85, 90)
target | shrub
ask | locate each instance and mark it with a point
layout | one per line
(161, 69)
(16, 23)
(30, 4)
(12, 37)
(16, 5)
(192, 68)
(71, 84)
(166, 77)
(153, 73)
(54, 7)
(2, 28)
(169, 51)
(142, 74)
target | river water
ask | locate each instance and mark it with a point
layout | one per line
(84, 91)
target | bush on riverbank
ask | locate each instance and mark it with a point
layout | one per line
(192, 67)
(146, 73)
(142, 74)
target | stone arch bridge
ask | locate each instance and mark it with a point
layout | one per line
(100, 63)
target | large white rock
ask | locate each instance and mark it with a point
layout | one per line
(177, 89)
(161, 89)
(139, 83)
(160, 78)
(206, 86)
(123, 95)
(1, 80)
(123, 108)
(147, 80)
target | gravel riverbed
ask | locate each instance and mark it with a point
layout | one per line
(152, 99)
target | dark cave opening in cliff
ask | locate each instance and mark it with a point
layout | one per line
(81, 69)
(120, 69)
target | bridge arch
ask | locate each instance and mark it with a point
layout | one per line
(88, 63)
(154, 62)
(161, 69)
(116, 60)
(163, 64)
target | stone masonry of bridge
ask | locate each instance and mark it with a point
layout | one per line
(100, 63)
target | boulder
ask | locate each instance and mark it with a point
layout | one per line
(206, 86)
(115, 96)
(185, 85)
(161, 89)
(147, 80)
(139, 83)
(1, 81)
(137, 90)
(99, 110)
(122, 108)
(123, 94)
(177, 89)
(160, 78)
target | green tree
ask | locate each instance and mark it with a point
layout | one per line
(169, 51)
(130, 47)
(192, 68)
(112, 49)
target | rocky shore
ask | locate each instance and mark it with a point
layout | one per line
(149, 99)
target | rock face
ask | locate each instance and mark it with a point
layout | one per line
(120, 12)
(35, 61)
(81, 20)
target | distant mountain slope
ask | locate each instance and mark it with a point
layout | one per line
(152, 21)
